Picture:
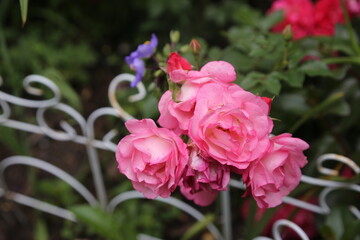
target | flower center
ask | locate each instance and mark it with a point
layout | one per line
(222, 129)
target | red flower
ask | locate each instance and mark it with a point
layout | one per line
(309, 19)
(328, 13)
(268, 101)
(298, 14)
(175, 62)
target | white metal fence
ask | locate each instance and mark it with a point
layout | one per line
(87, 138)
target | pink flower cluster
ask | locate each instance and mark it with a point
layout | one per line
(227, 129)
(309, 19)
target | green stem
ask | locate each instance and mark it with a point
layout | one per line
(285, 57)
(312, 112)
(280, 66)
(350, 29)
(353, 60)
(198, 227)
(197, 60)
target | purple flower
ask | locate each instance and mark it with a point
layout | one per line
(134, 60)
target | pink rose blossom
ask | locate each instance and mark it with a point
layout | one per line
(353, 7)
(230, 124)
(276, 173)
(175, 115)
(216, 71)
(153, 158)
(203, 178)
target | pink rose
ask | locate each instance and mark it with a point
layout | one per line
(276, 173)
(153, 158)
(353, 7)
(203, 178)
(175, 115)
(230, 124)
(216, 71)
(298, 14)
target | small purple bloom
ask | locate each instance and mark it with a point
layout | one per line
(134, 60)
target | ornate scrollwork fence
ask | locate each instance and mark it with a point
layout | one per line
(86, 137)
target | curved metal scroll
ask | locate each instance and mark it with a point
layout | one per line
(41, 205)
(171, 201)
(277, 227)
(68, 132)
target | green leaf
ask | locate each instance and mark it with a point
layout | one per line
(58, 191)
(23, 10)
(352, 231)
(296, 54)
(316, 68)
(273, 84)
(334, 222)
(215, 54)
(251, 80)
(270, 20)
(340, 108)
(97, 220)
(242, 38)
(246, 15)
(198, 226)
(253, 226)
(250, 220)
(150, 107)
(351, 225)
(265, 219)
(257, 50)
(340, 224)
(327, 232)
(41, 232)
(294, 78)
(241, 62)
